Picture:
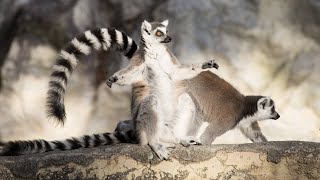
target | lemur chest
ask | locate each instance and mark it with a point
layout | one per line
(161, 63)
(158, 72)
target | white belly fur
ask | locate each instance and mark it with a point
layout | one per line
(162, 86)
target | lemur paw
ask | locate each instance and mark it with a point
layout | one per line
(160, 150)
(111, 80)
(190, 140)
(210, 64)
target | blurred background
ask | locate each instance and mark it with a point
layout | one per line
(263, 47)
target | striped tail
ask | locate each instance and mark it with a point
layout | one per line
(97, 39)
(15, 148)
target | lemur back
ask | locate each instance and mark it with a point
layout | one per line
(216, 98)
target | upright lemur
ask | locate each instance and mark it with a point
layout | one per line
(155, 72)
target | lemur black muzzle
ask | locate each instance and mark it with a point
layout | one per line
(166, 40)
(276, 117)
(111, 80)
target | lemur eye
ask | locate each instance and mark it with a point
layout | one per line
(159, 33)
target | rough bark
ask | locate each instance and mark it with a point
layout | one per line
(273, 160)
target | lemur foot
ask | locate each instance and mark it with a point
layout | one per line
(190, 140)
(210, 64)
(169, 145)
(160, 151)
(111, 80)
(258, 137)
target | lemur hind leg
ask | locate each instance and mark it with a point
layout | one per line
(184, 120)
(148, 126)
(252, 131)
(215, 129)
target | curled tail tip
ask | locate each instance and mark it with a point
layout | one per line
(57, 121)
(56, 112)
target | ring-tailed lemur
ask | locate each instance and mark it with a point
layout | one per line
(100, 38)
(220, 107)
(154, 73)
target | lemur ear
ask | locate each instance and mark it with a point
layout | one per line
(262, 103)
(270, 101)
(165, 22)
(146, 26)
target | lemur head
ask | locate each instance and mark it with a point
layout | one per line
(155, 32)
(266, 109)
(259, 108)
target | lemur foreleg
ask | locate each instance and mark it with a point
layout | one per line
(252, 131)
(184, 72)
(127, 76)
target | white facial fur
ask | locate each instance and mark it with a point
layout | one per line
(265, 109)
(146, 26)
(155, 33)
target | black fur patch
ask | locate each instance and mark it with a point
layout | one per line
(75, 144)
(107, 136)
(122, 136)
(97, 141)
(56, 85)
(86, 141)
(147, 31)
(54, 107)
(61, 75)
(11, 148)
(47, 146)
(60, 145)
(250, 106)
(125, 41)
(83, 39)
(113, 36)
(39, 144)
(132, 50)
(71, 49)
(97, 32)
(28, 143)
(65, 63)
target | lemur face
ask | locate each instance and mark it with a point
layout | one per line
(155, 31)
(266, 109)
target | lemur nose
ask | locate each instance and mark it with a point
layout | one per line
(111, 80)
(115, 79)
(276, 117)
